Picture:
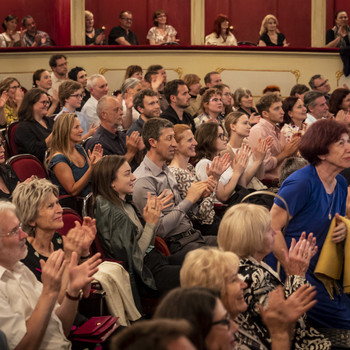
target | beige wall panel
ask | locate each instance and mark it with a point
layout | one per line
(179, 63)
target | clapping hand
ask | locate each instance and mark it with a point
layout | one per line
(96, 154)
(218, 166)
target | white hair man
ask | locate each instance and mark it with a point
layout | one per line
(98, 87)
(30, 316)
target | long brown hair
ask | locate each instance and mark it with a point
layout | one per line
(206, 135)
(60, 141)
(103, 174)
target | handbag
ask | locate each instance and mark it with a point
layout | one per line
(96, 329)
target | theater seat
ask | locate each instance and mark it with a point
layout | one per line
(11, 131)
(69, 217)
(26, 165)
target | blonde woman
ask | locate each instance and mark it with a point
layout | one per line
(218, 270)
(269, 33)
(246, 231)
(68, 162)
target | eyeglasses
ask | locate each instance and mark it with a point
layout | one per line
(14, 232)
(15, 87)
(2, 143)
(77, 95)
(224, 322)
(323, 84)
(222, 137)
(45, 103)
(215, 100)
(62, 64)
(127, 19)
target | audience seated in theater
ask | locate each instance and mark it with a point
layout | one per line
(216, 269)
(8, 178)
(227, 99)
(79, 74)
(114, 141)
(176, 93)
(246, 231)
(133, 71)
(154, 177)
(212, 141)
(40, 213)
(307, 192)
(193, 83)
(221, 35)
(339, 35)
(272, 89)
(11, 97)
(33, 134)
(339, 105)
(122, 35)
(270, 34)
(294, 118)
(212, 327)
(162, 32)
(70, 94)
(11, 37)
(270, 109)
(316, 105)
(211, 108)
(146, 102)
(123, 233)
(160, 334)
(42, 79)
(204, 219)
(299, 90)
(129, 88)
(34, 37)
(211, 79)
(93, 36)
(238, 129)
(319, 83)
(70, 167)
(243, 102)
(98, 87)
(30, 315)
(58, 64)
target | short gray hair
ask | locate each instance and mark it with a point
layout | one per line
(311, 96)
(28, 197)
(129, 83)
(6, 206)
(102, 103)
(91, 82)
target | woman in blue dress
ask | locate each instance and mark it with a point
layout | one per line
(68, 162)
(315, 195)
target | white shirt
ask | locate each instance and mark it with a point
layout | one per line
(55, 83)
(19, 294)
(89, 110)
(310, 119)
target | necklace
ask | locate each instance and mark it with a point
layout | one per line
(330, 209)
(89, 31)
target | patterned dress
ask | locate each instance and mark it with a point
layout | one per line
(261, 280)
(184, 178)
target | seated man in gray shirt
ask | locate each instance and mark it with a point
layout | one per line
(154, 176)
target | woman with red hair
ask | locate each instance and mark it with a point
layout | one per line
(221, 34)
